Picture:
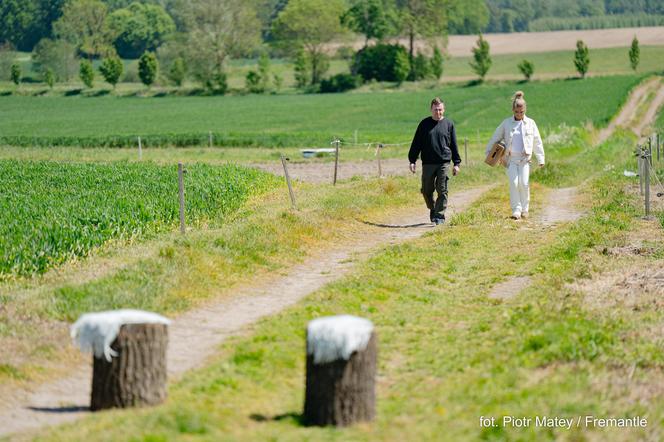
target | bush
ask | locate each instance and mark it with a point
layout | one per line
(340, 83)
(87, 73)
(253, 83)
(147, 68)
(301, 69)
(16, 74)
(526, 68)
(49, 77)
(382, 62)
(420, 69)
(111, 69)
(437, 63)
(178, 71)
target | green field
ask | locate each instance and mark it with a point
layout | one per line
(298, 120)
(560, 63)
(53, 212)
(449, 354)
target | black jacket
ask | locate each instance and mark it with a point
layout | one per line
(437, 142)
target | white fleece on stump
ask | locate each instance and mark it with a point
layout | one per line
(335, 337)
(96, 331)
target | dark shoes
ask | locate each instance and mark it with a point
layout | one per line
(436, 218)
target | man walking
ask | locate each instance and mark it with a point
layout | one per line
(435, 139)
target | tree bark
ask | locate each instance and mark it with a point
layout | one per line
(137, 376)
(342, 392)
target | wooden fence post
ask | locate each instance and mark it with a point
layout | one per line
(288, 181)
(378, 152)
(341, 371)
(336, 161)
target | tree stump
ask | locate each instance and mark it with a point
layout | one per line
(137, 375)
(341, 371)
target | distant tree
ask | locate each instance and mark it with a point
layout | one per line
(49, 77)
(178, 71)
(382, 62)
(212, 39)
(84, 24)
(25, 22)
(147, 68)
(6, 60)
(264, 70)
(437, 63)
(86, 73)
(527, 68)
(581, 58)
(278, 81)
(634, 54)
(140, 27)
(16, 74)
(57, 55)
(467, 16)
(420, 68)
(253, 82)
(481, 58)
(367, 17)
(421, 18)
(296, 27)
(301, 69)
(111, 69)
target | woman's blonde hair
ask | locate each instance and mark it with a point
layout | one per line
(518, 100)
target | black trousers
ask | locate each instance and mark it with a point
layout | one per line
(435, 177)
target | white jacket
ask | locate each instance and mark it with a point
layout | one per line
(532, 141)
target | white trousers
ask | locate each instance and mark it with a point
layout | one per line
(518, 172)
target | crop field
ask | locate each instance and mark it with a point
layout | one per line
(297, 120)
(53, 212)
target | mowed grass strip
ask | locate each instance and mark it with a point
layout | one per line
(53, 212)
(298, 120)
(447, 353)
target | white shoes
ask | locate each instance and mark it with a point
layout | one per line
(516, 215)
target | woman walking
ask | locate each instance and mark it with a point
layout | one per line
(522, 139)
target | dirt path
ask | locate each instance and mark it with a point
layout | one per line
(651, 114)
(195, 335)
(324, 172)
(627, 114)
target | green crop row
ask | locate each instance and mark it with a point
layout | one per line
(52, 212)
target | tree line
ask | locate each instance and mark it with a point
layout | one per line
(134, 25)
(195, 38)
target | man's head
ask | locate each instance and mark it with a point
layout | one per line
(437, 109)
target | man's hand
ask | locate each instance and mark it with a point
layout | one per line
(455, 169)
(412, 167)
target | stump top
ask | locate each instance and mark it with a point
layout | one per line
(335, 337)
(97, 331)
